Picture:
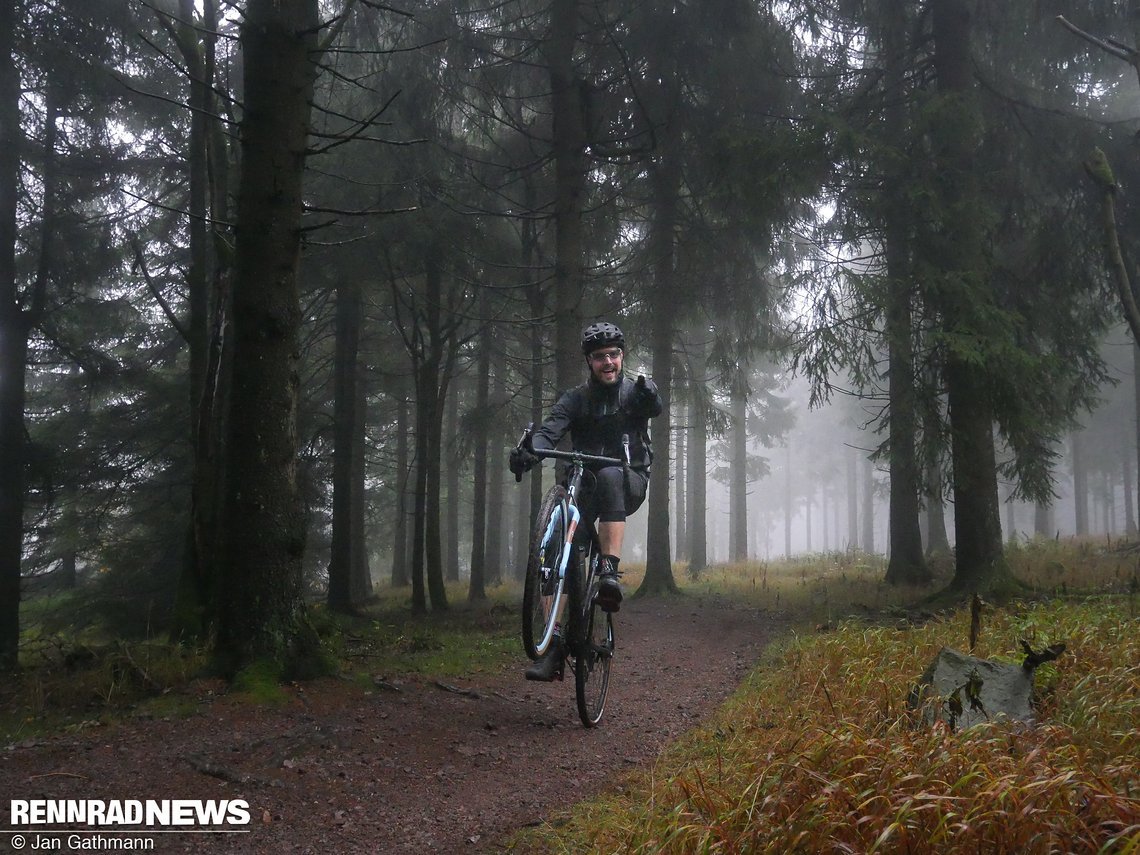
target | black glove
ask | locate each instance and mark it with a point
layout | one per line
(645, 393)
(521, 460)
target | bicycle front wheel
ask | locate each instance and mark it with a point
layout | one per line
(592, 664)
(544, 586)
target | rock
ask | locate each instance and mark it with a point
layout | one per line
(963, 690)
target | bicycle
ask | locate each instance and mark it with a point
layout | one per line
(562, 544)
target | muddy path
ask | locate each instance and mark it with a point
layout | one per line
(414, 765)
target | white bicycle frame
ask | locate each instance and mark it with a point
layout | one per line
(553, 603)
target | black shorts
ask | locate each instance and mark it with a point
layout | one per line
(607, 498)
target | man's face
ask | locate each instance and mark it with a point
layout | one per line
(605, 365)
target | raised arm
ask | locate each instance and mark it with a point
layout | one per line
(557, 424)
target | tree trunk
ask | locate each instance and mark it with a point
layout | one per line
(852, 499)
(194, 594)
(434, 546)
(433, 353)
(424, 406)
(451, 554)
(538, 372)
(401, 576)
(681, 493)
(521, 540)
(808, 502)
(979, 557)
(1126, 478)
(476, 589)
(1080, 484)
(361, 576)
(937, 541)
(979, 560)
(738, 484)
(496, 467)
(789, 506)
(210, 351)
(346, 400)
(569, 147)
(666, 183)
(1136, 397)
(868, 506)
(261, 607)
(13, 366)
(1043, 520)
(16, 323)
(1010, 518)
(907, 564)
(698, 460)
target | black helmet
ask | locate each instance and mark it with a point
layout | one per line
(603, 334)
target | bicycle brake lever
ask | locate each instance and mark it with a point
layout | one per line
(522, 444)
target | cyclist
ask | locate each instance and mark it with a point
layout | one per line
(597, 414)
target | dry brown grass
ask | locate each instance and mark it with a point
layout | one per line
(818, 752)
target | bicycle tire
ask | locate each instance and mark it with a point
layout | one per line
(539, 613)
(595, 651)
(592, 667)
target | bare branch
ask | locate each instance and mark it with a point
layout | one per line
(367, 212)
(1113, 47)
(140, 262)
(172, 209)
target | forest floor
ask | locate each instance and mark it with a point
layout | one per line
(414, 764)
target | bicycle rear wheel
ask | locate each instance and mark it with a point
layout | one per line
(592, 662)
(543, 588)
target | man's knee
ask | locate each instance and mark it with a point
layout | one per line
(635, 491)
(609, 492)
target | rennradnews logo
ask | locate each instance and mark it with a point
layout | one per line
(129, 812)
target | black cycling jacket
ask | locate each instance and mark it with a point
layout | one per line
(597, 416)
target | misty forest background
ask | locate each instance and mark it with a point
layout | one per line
(281, 281)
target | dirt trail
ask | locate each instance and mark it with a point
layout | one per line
(418, 769)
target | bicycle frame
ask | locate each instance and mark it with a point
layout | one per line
(567, 571)
(569, 512)
(573, 516)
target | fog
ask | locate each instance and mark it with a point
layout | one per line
(821, 471)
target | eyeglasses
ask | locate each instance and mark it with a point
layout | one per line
(604, 355)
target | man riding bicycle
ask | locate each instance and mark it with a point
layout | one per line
(597, 414)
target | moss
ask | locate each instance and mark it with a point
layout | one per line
(292, 644)
(260, 681)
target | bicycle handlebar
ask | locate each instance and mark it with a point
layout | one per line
(574, 455)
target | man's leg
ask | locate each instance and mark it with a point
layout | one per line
(610, 537)
(611, 505)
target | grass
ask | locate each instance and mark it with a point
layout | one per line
(386, 639)
(75, 677)
(817, 588)
(818, 751)
(75, 682)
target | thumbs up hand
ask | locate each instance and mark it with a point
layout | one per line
(646, 398)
